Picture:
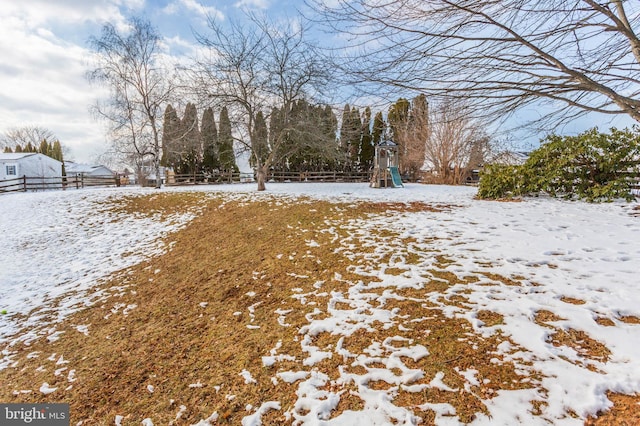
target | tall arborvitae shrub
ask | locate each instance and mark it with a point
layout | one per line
(192, 153)
(171, 138)
(225, 143)
(209, 133)
(379, 126)
(56, 151)
(346, 135)
(329, 129)
(367, 150)
(44, 148)
(355, 140)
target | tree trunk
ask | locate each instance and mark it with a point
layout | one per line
(261, 176)
(156, 163)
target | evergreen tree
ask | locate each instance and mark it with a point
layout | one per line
(261, 140)
(29, 148)
(44, 147)
(192, 152)
(170, 138)
(7, 150)
(414, 144)
(329, 128)
(225, 143)
(398, 117)
(209, 132)
(399, 124)
(377, 132)
(367, 151)
(297, 135)
(305, 137)
(56, 151)
(18, 148)
(346, 135)
(355, 140)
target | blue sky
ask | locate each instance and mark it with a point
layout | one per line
(44, 51)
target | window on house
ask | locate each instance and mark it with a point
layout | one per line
(11, 169)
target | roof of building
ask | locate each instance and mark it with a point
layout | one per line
(15, 155)
(511, 157)
(73, 167)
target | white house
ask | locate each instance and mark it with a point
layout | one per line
(73, 168)
(38, 169)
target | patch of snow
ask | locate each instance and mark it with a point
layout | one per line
(248, 379)
(209, 421)
(256, 418)
(292, 376)
(46, 389)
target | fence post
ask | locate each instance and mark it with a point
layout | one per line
(117, 180)
(77, 184)
(24, 182)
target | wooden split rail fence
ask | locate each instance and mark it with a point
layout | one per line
(196, 179)
(26, 183)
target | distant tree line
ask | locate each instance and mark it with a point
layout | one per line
(192, 146)
(53, 150)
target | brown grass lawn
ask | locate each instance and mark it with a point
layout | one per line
(172, 336)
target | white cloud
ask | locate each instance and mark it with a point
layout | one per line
(39, 13)
(180, 48)
(193, 6)
(43, 76)
(258, 4)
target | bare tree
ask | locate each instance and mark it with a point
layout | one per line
(129, 65)
(455, 143)
(261, 67)
(576, 55)
(33, 135)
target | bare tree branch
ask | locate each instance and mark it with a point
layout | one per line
(497, 55)
(257, 68)
(24, 135)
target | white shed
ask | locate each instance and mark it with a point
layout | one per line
(38, 169)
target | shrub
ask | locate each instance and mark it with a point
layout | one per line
(500, 181)
(592, 166)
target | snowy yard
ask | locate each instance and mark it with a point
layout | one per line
(575, 262)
